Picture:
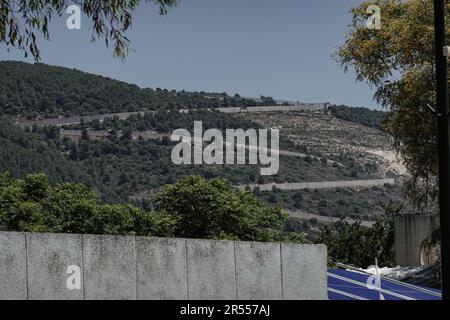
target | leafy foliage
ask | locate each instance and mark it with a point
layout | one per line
(193, 207)
(364, 116)
(214, 209)
(350, 243)
(399, 61)
(21, 20)
(365, 203)
(34, 205)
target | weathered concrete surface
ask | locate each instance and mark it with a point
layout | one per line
(258, 271)
(211, 270)
(13, 273)
(117, 267)
(304, 271)
(161, 268)
(49, 256)
(410, 231)
(109, 267)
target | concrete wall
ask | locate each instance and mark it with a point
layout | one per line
(63, 266)
(13, 266)
(300, 107)
(321, 184)
(61, 121)
(410, 231)
(48, 257)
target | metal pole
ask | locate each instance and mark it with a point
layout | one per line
(443, 143)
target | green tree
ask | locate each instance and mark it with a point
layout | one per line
(398, 60)
(193, 207)
(84, 135)
(215, 209)
(354, 244)
(34, 205)
(22, 20)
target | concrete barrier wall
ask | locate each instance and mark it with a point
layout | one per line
(410, 231)
(301, 107)
(125, 115)
(321, 185)
(13, 266)
(75, 267)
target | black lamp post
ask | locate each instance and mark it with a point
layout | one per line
(443, 142)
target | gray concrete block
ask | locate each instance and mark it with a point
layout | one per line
(109, 267)
(13, 270)
(211, 270)
(53, 260)
(161, 268)
(304, 271)
(410, 232)
(258, 271)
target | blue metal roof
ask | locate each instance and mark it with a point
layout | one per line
(354, 285)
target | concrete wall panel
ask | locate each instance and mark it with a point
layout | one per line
(258, 271)
(161, 268)
(109, 267)
(211, 270)
(13, 273)
(49, 258)
(410, 231)
(35, 266)
(304, 272)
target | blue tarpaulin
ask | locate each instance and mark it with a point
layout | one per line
(353, 285)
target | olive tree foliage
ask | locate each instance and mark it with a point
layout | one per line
(22, 20)
(398, 61)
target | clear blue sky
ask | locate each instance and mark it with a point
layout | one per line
(279, 48)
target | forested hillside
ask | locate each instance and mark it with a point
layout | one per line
(364, 116)
(39, 90)
(127, 167)
(120, 167)
(24, 152)
(123, 168)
